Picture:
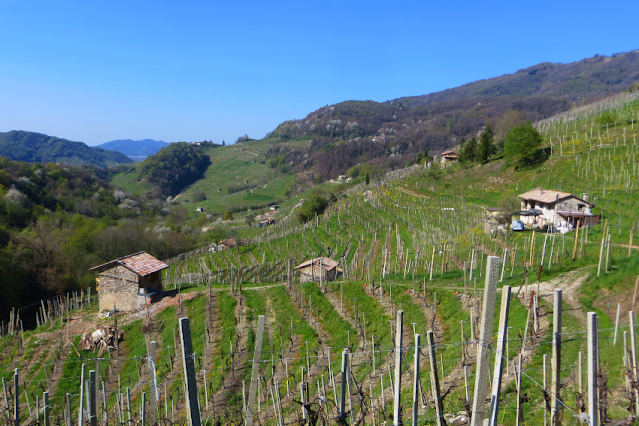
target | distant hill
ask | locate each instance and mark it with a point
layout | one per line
(589, 78)
(138, 150)
(389, 134)
(34, 147)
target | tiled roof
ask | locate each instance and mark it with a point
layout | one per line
(545, 195)
(324, 262)
(141, 263)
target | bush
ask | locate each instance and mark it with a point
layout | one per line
(314, 205)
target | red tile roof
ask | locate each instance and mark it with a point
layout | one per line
(141, 263)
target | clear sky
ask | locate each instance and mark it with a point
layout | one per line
(192, 70)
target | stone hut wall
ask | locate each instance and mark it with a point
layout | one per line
(118, 285)
(313, 274)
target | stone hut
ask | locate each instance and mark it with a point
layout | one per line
(320, 269)
(128, 281)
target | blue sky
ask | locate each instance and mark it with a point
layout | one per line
(188, 71)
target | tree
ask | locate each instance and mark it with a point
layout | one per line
(468, 151)
(368, 178)
(507, 121)
(522, 145)
(486, 147)
(228, 215)
(250, 219)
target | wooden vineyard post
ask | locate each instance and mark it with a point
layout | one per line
(593, 370)
(556, 359)
(518, 371)
(415, 379)
(342, 397)
(250, 409)
(153, 385)
(93, 406)
(188, 361)
(434, 379)
(499, 355)
(484, 342)
(614, 340)
(633, 351)
(574, 250)
(398, 368)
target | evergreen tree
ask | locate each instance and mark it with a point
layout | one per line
(468, 151)
(486, 146)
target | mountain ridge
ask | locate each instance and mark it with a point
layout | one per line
(135, 148)
(33, 147)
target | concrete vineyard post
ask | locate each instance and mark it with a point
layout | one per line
(250, 409)
(556, 356)
(398, 368)
(499, 355)
(188, 361)
(593, 370)
(434, 379)
(93, 406)
(416, 379)
(342, 398)
(484, 342)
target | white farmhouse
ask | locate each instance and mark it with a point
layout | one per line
(561, 209)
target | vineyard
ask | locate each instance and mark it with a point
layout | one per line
(432, 321)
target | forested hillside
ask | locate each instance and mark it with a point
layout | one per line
(33, 147)
(57, 221)
(174, 167)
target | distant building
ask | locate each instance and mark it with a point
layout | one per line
(275, 207)
(448, 157)
(127, 282)
(318, 269)
(542, 207)
(199, 209)
(379, 138)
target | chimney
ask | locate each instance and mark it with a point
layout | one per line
(584, 196)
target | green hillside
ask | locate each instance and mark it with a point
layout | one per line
(237, 178)
(418, 232)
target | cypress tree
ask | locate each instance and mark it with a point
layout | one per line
(486, 146)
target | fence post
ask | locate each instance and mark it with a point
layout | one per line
(69, 420)
(46, 409)
(250, 409)
(434, 378)
(93, 415)
(342, 398)
(16, 400)
(398, 368)
(415, 379)
(153, 389)
(485, 337)
(499, 355)
(556, 354)
(593, 369)
(188, 360)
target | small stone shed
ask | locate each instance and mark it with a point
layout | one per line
(126, 282)
(319, 269)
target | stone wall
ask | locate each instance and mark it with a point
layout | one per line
(118, 285)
